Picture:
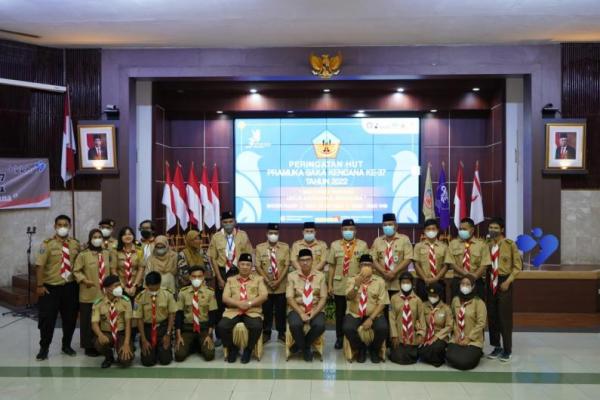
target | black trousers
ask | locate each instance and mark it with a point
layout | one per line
(463, 357)
(317, 327)
(278, 303)
(159, 353)
(107, 349)
(340, 311)
(479, 287)
(380, 329)
(86, 334)
(434, 354)
(63, 299)
(404, 354)
(422, 290)
(219, 294)
(193, 342)
(500, 315)
(225, 328)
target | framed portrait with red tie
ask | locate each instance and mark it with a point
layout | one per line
(97, 149)
(566, 147)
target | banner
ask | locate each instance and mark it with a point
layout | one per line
(24, 183)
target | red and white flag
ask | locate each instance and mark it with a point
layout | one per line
(476, 198)
(193, 198)
(168, 200)
(181, 207)
(460, 204)
(214, 194)
(206, 199)
(67, 160)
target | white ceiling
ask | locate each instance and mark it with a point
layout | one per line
(275, 23)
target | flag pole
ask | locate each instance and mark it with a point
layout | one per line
(165, 179)
(73, 204)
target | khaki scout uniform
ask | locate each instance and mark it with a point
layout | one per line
(475, 319)
(442, 320)
(111, 243)
(295, 288)
(217, 249)
(263, 263)
(421, 257)
(206, 303)
(416, 309)
(336, 260)
(317, 247)
(480, 258)
(254, 288)
(101, 316)
(401, 250)
(49, 259)
(137, 264)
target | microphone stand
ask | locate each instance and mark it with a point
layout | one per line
(28, 311)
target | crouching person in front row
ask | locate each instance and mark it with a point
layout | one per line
(155, 309)
(111, 323)
(195, 318)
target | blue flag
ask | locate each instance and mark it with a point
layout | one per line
(442, 201)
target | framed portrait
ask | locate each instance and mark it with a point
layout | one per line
(565, 147)
(97, 149)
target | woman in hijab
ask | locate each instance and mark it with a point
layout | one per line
(164, 261)
(192, 255)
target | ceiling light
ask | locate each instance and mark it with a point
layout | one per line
(326, 90)
(253, 91)
(219, 112)
(400, 90)
(433, 110)
(290, 111)
(476, 89)
(361, 111)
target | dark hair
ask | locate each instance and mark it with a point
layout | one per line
(89, 243)
(107, 221)
(499, 221)
(429, 222)
(195, 268)
(468, 220)
(62, 216)
(148, 221)
(122, 232)
(153, 278)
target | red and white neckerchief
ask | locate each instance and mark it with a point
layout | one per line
(243, 290)
(307, 293)
(128, 270)
(65, 266)
(348, 251)
(363, 300)
(113, 316)
(196, 311)
(229, 250)
(430, 327)
(408, 328)
(460, 320)
(154, 328)
(389, 255)
(101, 268)
(273, 258)
(432, 260)
(494, 280)
(466, 261)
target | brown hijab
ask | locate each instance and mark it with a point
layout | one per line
(193, 256)
(166, 263)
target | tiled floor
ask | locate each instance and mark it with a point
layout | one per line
(548, 366)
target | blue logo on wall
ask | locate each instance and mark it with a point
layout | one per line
(547, 245)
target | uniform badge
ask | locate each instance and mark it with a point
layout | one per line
(42, 250)
(396, 258)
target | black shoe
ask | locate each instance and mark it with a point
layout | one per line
(232, 354)
(107, 362)
(362, 355)
(375, 359)
(92, 353)
(294, 349)
(308, 354)
(495, 353)
(218, 342)
(505, 356)
(69, 351)
(339, 343)
(246, 356)
(281, 338)
(42, 355)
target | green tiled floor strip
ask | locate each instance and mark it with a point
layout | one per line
(308, 374)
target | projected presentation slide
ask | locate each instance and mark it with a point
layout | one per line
(294, 170)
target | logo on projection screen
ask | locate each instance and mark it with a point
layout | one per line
(326, 145)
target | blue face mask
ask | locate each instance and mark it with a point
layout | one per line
(309, 237)
(389, 230)
(348, 235)
(464, 234)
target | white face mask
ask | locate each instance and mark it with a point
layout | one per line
(406, 287)
(433, 300)
(118, 291)
(152, 293)
(97, 242)
(431, 234)
(62, 231)
(196, 282)
(466, 290)
(106, 232)
(273, 237)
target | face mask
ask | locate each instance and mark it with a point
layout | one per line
(494, 234)
(118, 291)
(106, 232)
(465, 290)
(97, 242)
(431, 234)
(196, 282)
(406, 287)
(273, 238)
(62, 231)
(146, 233)
(309, 237)
(160, 251)
(464, 234)
(348, 235)
(228, 227)
(389, 230)
(153, 293)
(433, 300)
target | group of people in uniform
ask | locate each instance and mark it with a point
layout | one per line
(191, 301)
